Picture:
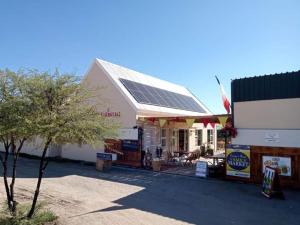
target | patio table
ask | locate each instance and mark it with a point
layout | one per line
(216, 158)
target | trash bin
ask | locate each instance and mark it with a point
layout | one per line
(104, 161)
(156, 164)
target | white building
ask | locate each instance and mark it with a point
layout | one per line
(131, 98)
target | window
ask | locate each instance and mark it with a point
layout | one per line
(163, 137)
(198, 137)
(174, 135)
(210, 136)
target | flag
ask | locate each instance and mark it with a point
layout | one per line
(224, 97)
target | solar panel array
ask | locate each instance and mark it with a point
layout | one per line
(149, 95)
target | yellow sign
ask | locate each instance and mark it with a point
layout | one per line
(238, 161)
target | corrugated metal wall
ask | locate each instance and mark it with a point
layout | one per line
(277, 86)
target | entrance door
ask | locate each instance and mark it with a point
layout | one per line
(181, 140)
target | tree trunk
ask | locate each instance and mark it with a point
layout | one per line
(14, 173)
(4, 163)
(42, 168)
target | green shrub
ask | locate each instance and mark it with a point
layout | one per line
(40, 217)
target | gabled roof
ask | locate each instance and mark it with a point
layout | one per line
(116, 73)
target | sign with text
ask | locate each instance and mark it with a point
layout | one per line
(283, 164)
(238, 161)
(272, 137)
(106, 156)
(201, 169)
(109, 113)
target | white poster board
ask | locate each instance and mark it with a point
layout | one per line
(128, 134)
(281, 163)
(201, 169)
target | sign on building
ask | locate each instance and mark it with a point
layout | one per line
(283, 164)
(238, 161)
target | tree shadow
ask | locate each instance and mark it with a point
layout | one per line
(190, 200)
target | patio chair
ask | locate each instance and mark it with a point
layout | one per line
(191, 157)
(169, 157)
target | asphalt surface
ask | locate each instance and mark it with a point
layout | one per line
(81, 195)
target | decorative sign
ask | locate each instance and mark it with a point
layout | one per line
(272, 137)
(223, 120)
(268, 181)
(110, 114)
(238, 161)
(189, 122)
(283, 164)
(106, 156)
(128, 134)
(201, 169)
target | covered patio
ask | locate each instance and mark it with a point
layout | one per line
(179, 158)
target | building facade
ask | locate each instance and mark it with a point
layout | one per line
(266, 113)
(133, 100)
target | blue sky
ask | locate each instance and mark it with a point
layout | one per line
(186, 42)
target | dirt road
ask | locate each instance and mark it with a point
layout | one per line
(81, 195)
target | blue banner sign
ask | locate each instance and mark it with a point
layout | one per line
(104, 156)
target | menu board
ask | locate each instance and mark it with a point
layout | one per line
(201, 169)
(283, 164)
(268, 181)
(238, 161)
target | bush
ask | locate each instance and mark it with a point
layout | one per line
(40, 217)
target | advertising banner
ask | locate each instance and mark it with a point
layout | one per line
(283, 164)
(238, 161)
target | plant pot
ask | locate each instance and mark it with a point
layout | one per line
(156, 164)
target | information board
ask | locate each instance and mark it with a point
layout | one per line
(238, 161)
(201, 169)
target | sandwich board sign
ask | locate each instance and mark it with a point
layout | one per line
(201, 169)
(270, 184)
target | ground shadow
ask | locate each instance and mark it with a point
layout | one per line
(186, 199)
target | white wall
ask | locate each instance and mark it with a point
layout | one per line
(268, 114)
(262, 137)
(84, 152)
(108, 97)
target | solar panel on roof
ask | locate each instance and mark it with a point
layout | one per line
(146, 94)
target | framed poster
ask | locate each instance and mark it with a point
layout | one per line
(238, 161)
(283, 164)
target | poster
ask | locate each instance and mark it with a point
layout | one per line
(238, 161)
(268, 181)
(283, 164)
(201, 169)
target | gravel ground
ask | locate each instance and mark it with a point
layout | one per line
(80, 195)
